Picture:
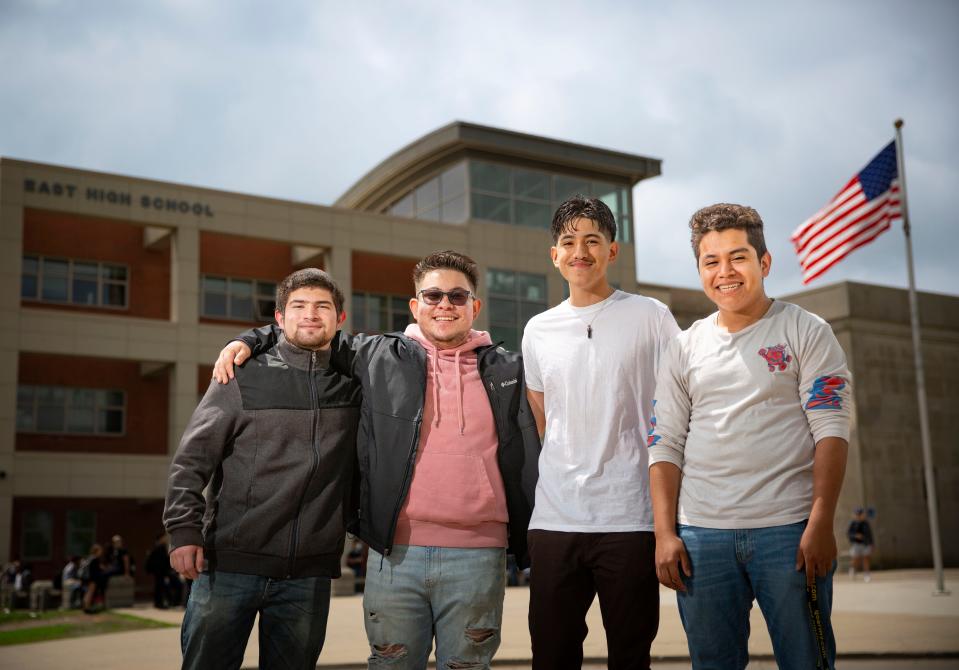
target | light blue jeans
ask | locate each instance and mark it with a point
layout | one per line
(730, 568)
(416, 592)
(220, 613)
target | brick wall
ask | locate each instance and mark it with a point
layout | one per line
(89, 238)
(147, 401)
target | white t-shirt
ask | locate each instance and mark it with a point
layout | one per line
(740, 414)
(598, 393)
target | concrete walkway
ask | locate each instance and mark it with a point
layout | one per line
(895, 614)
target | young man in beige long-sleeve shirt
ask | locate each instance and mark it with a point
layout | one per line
(747, 455)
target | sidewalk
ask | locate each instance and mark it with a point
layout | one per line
(895, 614)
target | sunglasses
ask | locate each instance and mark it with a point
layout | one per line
(434, 296)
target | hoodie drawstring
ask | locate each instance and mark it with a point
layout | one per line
(436, 387)
(459, 389)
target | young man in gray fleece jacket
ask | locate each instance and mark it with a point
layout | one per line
(276, 446)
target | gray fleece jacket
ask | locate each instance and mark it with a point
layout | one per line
(277, 446)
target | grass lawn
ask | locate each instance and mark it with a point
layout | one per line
(19, 627)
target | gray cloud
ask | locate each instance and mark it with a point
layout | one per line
(774, 106)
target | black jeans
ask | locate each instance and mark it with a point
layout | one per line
(568, 571)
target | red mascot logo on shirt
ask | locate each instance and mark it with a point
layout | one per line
(776, 357)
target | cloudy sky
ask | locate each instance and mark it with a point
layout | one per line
(773, 106)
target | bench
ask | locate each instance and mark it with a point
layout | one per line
(120, 591)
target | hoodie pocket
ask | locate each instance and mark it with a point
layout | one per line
(452, 488)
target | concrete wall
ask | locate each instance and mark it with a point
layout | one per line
(885, 468)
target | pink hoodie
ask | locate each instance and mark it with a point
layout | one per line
(456, 497)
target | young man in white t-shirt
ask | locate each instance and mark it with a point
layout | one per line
(590, 370)
(747, 454)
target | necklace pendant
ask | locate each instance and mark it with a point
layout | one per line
(589, 332)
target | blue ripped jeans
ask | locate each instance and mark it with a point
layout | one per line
(732, 567)
(223, 605)
(458, 593)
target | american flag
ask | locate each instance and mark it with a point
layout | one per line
(858, 214)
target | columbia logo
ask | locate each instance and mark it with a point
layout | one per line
(507, 383)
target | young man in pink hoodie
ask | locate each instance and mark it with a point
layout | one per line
(447, 449)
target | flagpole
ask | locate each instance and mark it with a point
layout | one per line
(931, 498)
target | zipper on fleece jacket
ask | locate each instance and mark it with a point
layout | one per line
(314, 408)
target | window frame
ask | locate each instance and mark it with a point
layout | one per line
(102, 281)
(517, 300)
(98, 407)
(25, 529)
(256, 295)
(390, 310)
(70, 528)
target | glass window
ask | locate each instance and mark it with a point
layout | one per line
(29, 277)
(427, 195)
(533, 214)
(51, 409)
(37, 540)
(114, 295)
(26, 412)
(359, 312)
(76, 411)
(265, 300)
(609, 194)
(55, 280)
(514, 298)
(531, 287)
(502, 281)
(454, 211)
(399, 313)
(502, 310)
(238, 299)
(110, 421)
(530, 184)
(214, 296)
(81, 532)
(241, 298)
(113, 272)
(84, 284)
(403, 207)
(376, 313)
(489, 177)
(373, 313)
(626, 214)
(490, 208)
(453, 181)
(565, 187)
(81, 411)
(508, 335)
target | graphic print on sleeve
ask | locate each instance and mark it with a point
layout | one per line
(825, 393)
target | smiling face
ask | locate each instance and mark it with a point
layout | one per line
(582, 254)
(732, 276)
(309, 319)
(445, 325)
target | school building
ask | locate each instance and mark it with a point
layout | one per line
(120, 291)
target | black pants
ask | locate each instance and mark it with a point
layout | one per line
(568, 571)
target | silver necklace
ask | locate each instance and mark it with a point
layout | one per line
(589, 325)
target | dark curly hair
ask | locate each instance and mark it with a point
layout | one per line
(723, 216)
(308, 278)
(447, 260)
(581, 207)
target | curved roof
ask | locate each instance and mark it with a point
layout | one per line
(430, 153)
